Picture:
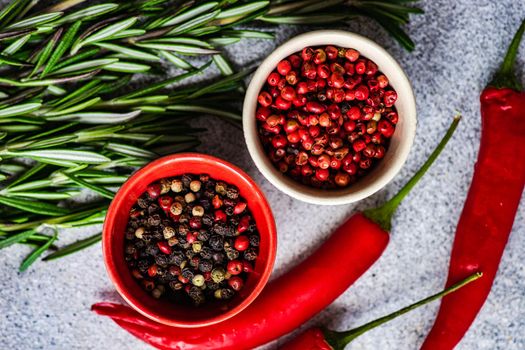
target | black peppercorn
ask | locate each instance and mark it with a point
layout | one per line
(220, 229)
(162, 260)
(218, 257)
(186, 179)
(206, 253)
(154, 220)
(228, 202)
(187, 273)
(203, 235)
(143, 265)
(207, 220)
(212, 285)
(176, 258)
(205, 265)
(232, 192)
(153, 208)
(216, 242)
(152, 250)
(142, 202)
(250, 254)
(254, 240)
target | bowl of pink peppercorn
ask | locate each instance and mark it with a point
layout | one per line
(329, 117)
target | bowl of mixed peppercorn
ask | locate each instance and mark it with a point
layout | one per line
(329, 117)
(189, 240)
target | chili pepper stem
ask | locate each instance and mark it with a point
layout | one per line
(505, 77)
(338, 340)
(383, 214)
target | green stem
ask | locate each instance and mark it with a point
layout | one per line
(338, 340)
(505, 77)
(383, 215)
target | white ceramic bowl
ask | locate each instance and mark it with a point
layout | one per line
(400, 143)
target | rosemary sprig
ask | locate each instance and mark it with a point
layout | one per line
(67, 109)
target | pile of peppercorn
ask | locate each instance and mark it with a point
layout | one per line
(191, 238)
(325, 116)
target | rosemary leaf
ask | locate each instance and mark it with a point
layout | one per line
(74, 247)
(37, 252)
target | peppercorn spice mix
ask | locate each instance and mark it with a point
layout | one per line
(326, 115)
(191, 239)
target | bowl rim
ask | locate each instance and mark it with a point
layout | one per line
(290, 186)
(113, 210)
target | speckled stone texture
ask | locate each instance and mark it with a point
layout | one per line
(459, 45)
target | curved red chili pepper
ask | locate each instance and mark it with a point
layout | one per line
(491, 205)
(323, 339)
(291, 299)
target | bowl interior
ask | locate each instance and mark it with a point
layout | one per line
(113, 240)
(400, 142)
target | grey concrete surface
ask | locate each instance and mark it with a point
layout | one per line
(459, 45)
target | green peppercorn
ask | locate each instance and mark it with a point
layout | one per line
(220, 188)
(217, 274)
(196, 246)
(195, 185)
(189, 197)
(165, 186)
(177, 186)
(198, 280)
(176, 208)
(168, 232)
(197, 211)
(139, 233)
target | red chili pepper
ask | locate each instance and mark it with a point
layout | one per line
(491, 205)
(291, 299)
(323, 339)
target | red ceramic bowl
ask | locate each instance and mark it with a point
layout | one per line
(113, 241)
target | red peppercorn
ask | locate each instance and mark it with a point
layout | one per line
(351, 55)
(165, 202)
(302, 88)
(349, 68)
(207, 275)
(191, 237)
(312, 160)
(323, 161)
(342, 179)
(220, 215)
(244, 223)
(279, 141)
(183, 279)
(382, 81)
(292, 78)
(236, 283)
(335, 163)
(371, 68)
(295, 60)
(273, 79)
(307, 54)
(152, 270)
(284, 67)
(293, 137)
(299, 101)
(264, 99)
(377, 138)
(263, 113)
(283, 167)
(334, 112)
(153, 190)
(323, 71)
(349, 126)
(393, 117)
(369, 151)
(282, 104)
(365, 163)
(331, 52)
(306, 170)
(390, 98)
(314, 130)
(354, 113)
(288, 93)
(356, 157)
(301, 158)
(351, 168)
(359, 145)
(315, 107)
(380, 152)
(282, 83)
(309, 71)
(319, 56)
(234, 267)
(361, 93)
(216, 201)
(239, 208)
(360, 67)
(247, 266)
(308, 142)
(385, 128)
(241, 243)
(164, 247)
(322, 174)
